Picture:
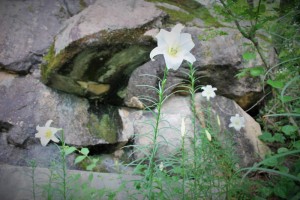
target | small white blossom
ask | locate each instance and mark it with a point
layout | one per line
(237, 122)
(175, 47)
(46, 133)
(208, 92)
(182, 128)
(208, 135)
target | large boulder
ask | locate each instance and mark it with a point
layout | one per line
(28, 29)
(218, 60)
(97, 49)
(247, 147)
(25, 103)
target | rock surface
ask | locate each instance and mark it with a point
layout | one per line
(218, 60)
(27, 30)
(25, 103)
(102, 53)
(93, 57)
(246, 144)
(16, 183)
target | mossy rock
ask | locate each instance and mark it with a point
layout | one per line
(103, 127)
(190, 10)
(104, 122)
(97, 69)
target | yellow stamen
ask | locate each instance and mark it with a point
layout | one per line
(48, 134)
(173, 51)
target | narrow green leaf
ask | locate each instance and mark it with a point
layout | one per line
(79, 159)
(284, 114)
(84, 151)
(275, 84)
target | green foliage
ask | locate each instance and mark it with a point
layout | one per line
(249, 56)
(209, 34)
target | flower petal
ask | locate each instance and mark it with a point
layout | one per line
(162, 38)
(189, 57)
(176, 30)
(156, 51)
(48, 123)
(54, 139)
(173, 62)
(186, 42)
(44, 141)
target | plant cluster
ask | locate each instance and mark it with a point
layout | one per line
(204, 169)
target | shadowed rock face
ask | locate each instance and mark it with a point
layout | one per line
(96, 52)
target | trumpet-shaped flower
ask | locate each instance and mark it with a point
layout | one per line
(237, 122)
(175, 47)
(46, 133)
(208, 92)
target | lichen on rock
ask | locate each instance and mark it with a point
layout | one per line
(104, 125)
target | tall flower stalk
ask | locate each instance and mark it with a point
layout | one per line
(193, 90)
(175, 47)
(151, 167)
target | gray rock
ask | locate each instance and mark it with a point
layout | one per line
(94, 58)
(247, 147)
(25, 103)
(218, 60)
(16, 183)
(27, 30)
(114, 15)
(73, 7)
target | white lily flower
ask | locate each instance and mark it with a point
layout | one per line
(174, 46)
(237, 122)
(208, 92)
(46, 133)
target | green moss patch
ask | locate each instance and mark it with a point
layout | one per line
(193, 10)
(103, 128)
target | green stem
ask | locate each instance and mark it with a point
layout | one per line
(183, 169)
(193, 108)
(33, 167)
(64, 166)
(156, 129)
(250, 35)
